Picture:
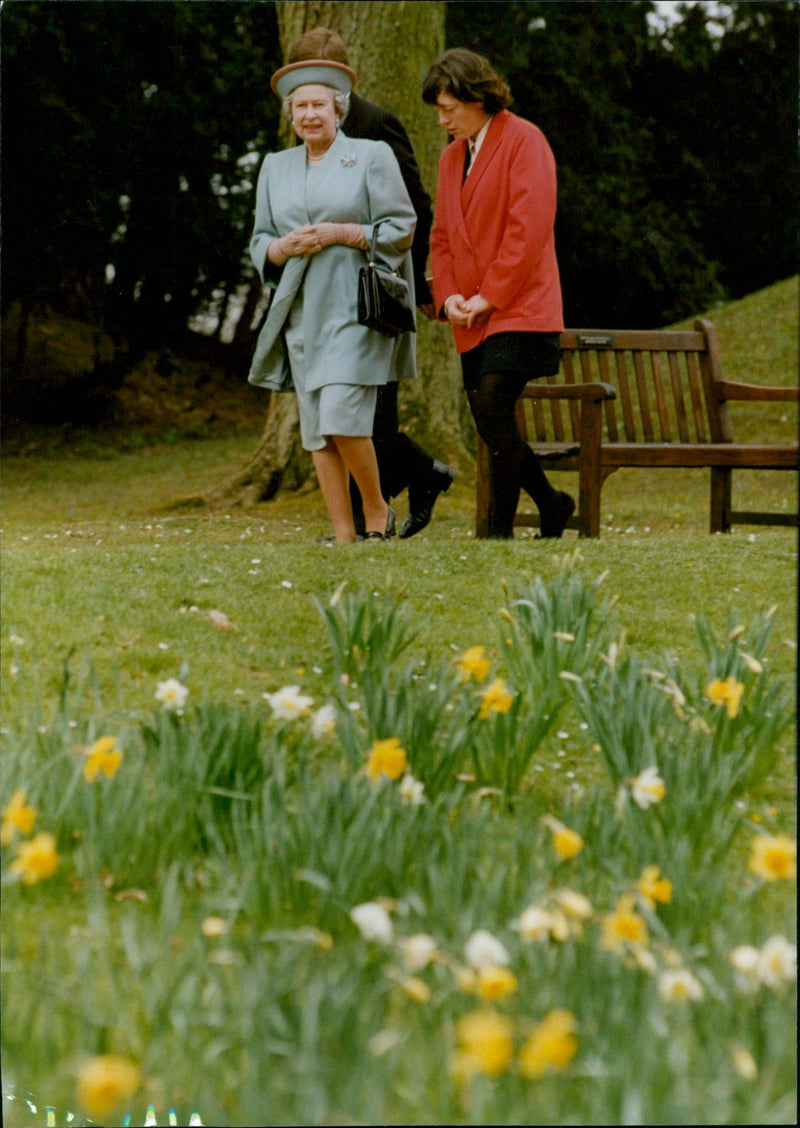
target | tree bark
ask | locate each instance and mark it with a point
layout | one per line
(390, 45)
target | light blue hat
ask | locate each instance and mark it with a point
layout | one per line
(324, 72)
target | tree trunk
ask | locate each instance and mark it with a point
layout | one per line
(390, 44)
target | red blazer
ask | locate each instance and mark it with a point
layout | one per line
(493, 234)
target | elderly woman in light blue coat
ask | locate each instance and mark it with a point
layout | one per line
(316, 208)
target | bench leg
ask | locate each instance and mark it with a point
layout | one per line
(721, 499)
(482, 490)
(590, 478)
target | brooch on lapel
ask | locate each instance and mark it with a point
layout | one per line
(348, 160)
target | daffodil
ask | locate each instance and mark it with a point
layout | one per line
(417, 989)
(728, 693)
(566, 842)
(777, 962)
(410, 790)
(172, 695)
(36, 859)
(534, 923)
(104, 1083)
(743, 1062)
(552, 1045)
(387, 757)
(652, 887)
(496, 983)
(102, 756)
(323, 723)
(373, 922)
(17, 817)
(289, 703)
(773, 857)
(418, 951)
(574, 904)
(647, 788)
(482, 950)
(484, 1044)
(472, 664)
(624, 925)
(495, 699)
(679, 985)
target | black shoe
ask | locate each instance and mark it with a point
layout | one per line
(421, 512)
(388, 534)
(554, 519)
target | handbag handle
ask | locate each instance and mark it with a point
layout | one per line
(373, 244)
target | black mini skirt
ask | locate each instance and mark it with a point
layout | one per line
(528, 354)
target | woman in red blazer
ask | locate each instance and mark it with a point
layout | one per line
(495, 275)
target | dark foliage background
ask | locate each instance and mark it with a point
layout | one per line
(127, 203)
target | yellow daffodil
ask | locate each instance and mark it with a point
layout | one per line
(104, 1083)
(652, 887)
(102, 756)
(484, 1044)
(552, 1045)
(566, 842)
(743, 1062)
(728, 693)
(17, 817)
(624, 925)
(36, 859)
(495, 699)
(496, 983)
(387, 757)
(773, 857)
(472, 664)
(417, 990)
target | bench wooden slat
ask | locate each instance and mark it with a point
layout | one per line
(662, 407)
(644, 401)
(696, 394)
(681, 418)
(625, 397)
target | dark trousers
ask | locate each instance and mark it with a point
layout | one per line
(512, 463)
(402, 463)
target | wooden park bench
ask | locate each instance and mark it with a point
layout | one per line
(641, 399)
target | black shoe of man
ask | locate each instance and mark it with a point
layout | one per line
(424, 499)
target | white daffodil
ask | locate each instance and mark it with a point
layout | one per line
(777, 961)
(484, 950)
(373, 922)
(679, 985)
(418, 951)
(323, 722)
(411, 790)
(172, 694)
(288, 703)
(647, 788)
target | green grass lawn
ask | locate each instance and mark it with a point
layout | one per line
(289, 1014)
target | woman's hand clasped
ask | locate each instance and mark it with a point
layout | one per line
(467, 311)
(312, 237)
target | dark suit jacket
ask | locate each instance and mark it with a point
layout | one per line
(368, 121)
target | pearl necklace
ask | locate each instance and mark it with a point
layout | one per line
(314, 160)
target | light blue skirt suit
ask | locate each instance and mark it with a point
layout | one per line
(311, 338)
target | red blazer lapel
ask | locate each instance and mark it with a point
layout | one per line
(491, 143)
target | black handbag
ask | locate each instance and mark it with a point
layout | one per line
(384, 298)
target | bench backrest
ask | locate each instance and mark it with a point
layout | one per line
(664, 382)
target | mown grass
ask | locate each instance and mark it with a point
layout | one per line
(104, 595)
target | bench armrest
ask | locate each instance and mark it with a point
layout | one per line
(731, 390)
(597, 390)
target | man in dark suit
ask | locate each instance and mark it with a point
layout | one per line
(402, 463)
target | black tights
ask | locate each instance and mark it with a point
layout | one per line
(512, 463)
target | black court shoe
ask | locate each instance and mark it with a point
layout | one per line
(390, 521)
(554, 519)
(438, 482)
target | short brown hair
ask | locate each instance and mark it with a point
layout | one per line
(319, 43)
(468, 78)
